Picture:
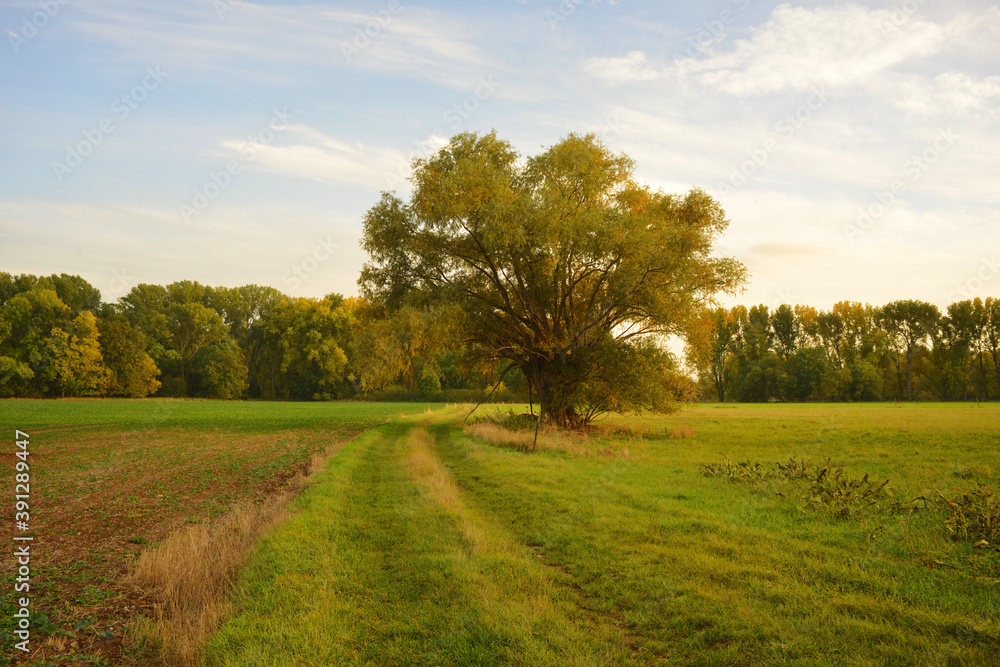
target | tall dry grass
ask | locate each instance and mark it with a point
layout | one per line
(552, 439)
(191, 574)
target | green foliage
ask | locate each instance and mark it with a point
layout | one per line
(222, 372)
(396, 393)
(13, 374)
(974, 516)
(630, 376)
(821, 487)
(555, 264)
(132, 372)
(311, 335)
(38, 625)
(181, 339)
(77, 364)
(806, 374)
(908, 324)
(510, 419)
(193, 326)
(430, 378)
(396, 347)
(76, 293)
(854, 352)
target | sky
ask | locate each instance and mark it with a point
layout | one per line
(855, 147)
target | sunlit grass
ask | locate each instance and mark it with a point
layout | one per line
(427, 543)
(173, 493)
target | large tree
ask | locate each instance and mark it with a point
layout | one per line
(76, 365)
(710, 341)
(132, 371)
(192, 327)
(311, 335)
(562, 265)
(29, 319)
(909, 324)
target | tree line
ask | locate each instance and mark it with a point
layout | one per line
(555, 277)
(59, 339)
(904, 350)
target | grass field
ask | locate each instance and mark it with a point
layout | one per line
(111, 479)
(426, 541)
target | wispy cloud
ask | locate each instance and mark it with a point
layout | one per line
(951, 94)
(799, 48)
(415, 42)
(795, 254)
(307, 153)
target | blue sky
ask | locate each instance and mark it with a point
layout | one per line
(854, 146)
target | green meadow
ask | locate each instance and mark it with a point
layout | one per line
(429, 542)
(425, 538)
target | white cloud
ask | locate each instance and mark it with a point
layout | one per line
(414, 42)
(312, 155)
(800, 48)
(633, 67)
(951, 94)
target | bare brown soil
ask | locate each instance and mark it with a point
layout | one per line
(101, 497)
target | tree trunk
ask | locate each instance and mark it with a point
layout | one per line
(982, 375)
(909, 377)
(899, 376)
(532, 371)
(274, 391)
(996, 365)
(538, 373)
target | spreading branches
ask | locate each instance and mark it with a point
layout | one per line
(558, 263)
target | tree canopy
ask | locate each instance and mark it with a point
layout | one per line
(904, 350)
(562, 266)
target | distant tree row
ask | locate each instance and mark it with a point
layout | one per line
(905, 350)
(57, 338)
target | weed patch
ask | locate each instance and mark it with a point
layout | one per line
(973, 516)
(970, 517)
(820, 487)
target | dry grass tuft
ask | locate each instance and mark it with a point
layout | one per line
(192, 572)
(575, 443)
(442, 489)
(686, 431)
